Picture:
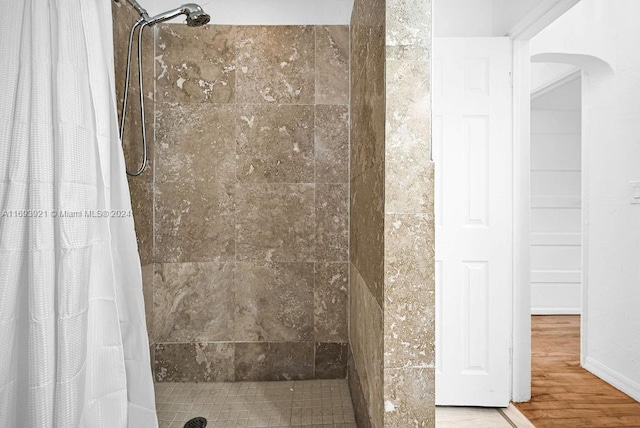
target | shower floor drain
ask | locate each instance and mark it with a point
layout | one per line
(196, 423)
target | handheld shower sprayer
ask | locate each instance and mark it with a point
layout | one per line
(195, 17)
(193, 13)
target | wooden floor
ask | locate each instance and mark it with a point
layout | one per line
(563, 393)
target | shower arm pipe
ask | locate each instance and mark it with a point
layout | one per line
(141, 10)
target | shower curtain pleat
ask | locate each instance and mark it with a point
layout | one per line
(73, 342)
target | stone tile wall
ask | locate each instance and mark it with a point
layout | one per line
(409, 275)
(251, 210)
(141, 188)
(392, 305)
(367, 211)
(246, 206)
(248, 260)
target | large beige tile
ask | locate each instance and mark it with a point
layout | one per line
(367, 101)
(366, 338)
(332, 222)
(141, 193)
(367, 145)
(369, 13)
(273, 302)
(195, 143)
(193, 302)
(194, 362)
(275, 222)
(194, 222)
(332, 64)
(275, 144)
(409, 397)
(367, 229)
(408, 29)
(409, 310)
(276, 64)
(332, 144)
(274, 361)
(331, 300)
(408, 170)
(360, 406)
(195, 64)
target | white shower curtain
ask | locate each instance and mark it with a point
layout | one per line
(73, 343)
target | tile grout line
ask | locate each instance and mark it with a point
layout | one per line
(153, 207)
(348, 338)
(236, 109)
(315, 189)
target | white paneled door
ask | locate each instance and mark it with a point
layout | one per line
(472, 134)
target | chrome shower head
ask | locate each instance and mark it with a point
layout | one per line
(195, 15)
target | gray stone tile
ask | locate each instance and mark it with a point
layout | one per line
(409, 396)
(275, 222)
(408, 170)
(193, 302)
(367, 229)
(194, 222)
(194, 362)
(332, 64)
(274, 361)
(332, 144)
(366, 339)
(195, 143)
(331, 302)
(332, 222)
(276, 64)
(408, 29)
(331, 360)
(360, 406)
(409, 272)
(273, 302)
(195, 64)
(275, 144)
(141, 193)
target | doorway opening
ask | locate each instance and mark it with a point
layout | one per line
(556, 189)
(478, 47)
(550, 221)
(556, 223)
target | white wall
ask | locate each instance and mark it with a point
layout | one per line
(611, 159)
(555, 201)
(478, 18)
(265, 12)
(545, 74)
(506, 13)
(462, 18)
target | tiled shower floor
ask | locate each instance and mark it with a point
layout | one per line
(313, 403)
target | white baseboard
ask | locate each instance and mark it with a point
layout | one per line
(624, 384)
(555, 311)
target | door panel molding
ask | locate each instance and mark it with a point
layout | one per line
(473, 155)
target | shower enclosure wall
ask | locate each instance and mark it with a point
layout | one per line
(242, 215)
(284, 161)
